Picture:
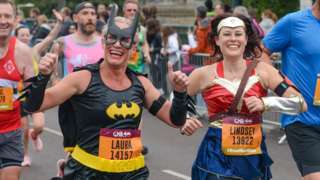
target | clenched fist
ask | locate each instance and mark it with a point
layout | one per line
(254, 104)
(178, 79)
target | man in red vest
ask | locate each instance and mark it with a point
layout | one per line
(15, 66)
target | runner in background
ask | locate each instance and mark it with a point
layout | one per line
(23, 34)
(15, 66)
(296, 37)
(76, 50)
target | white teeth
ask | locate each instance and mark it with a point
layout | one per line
(116, 53)
(233, 46)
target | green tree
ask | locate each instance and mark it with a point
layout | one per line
(46, 6)
(280, 7)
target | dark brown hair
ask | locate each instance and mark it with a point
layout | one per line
(153, 26)
(253, 49)
(268, 13)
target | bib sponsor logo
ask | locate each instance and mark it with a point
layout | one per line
(121, 134)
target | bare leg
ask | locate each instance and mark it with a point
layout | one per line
(25, 128)
(312, 176)
(10, 173)
(38, 125)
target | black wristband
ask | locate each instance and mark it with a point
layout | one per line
(42, 79)
(36, 93)
(178, 108)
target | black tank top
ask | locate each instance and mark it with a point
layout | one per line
(101, 107)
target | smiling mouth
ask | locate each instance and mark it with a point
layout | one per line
(4, 27)
(233, 46)
(116, 54)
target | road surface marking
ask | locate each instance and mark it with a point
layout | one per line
(53, 131)
(271, 122)
(173, 173)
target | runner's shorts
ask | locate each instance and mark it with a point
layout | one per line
(11, 148)
(304, 142)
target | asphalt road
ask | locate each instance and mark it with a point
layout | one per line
(170, 154)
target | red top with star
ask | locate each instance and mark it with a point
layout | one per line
(10, 77)
(220, 95)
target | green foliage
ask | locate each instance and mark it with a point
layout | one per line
(46, 6)
(280, 7)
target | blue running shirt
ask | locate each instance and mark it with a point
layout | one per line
(297, 37)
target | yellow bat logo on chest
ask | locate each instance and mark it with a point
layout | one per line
(123, 111)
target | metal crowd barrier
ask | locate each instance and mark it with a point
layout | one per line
(201, 59)
(159, 72)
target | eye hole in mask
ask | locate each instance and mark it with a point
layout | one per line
(124, 41)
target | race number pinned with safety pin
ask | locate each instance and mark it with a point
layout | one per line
(120, 144)
(6, 98)
(241, 135)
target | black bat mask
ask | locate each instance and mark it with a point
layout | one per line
(124, 36)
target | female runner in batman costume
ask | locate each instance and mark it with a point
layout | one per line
(108, 100)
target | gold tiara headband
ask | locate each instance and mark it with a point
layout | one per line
(231, 22)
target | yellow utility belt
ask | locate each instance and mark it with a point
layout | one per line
(105, 165)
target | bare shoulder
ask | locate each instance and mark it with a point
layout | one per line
(23, 54)
(267, 73)
(204, 72)
(264, 69)
(201, 78)
(144, 80)
(22, 48)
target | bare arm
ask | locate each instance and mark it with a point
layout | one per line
(55, 77)
(200, 78)
(153, 94)
(265, 56)
(23, 57)
(271, 79)
(44, 44)
(74, 83)
(174, 114)
(291, 101)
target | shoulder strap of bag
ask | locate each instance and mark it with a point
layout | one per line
(242, 85)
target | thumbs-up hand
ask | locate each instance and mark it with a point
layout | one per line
(47, 62)
(178, 80)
